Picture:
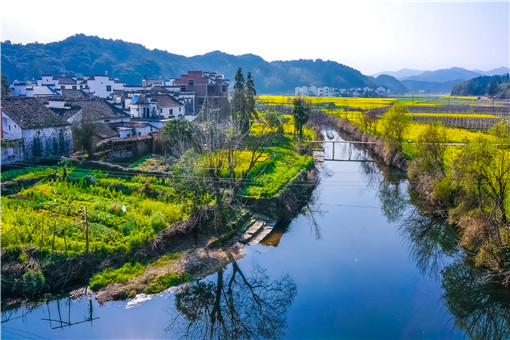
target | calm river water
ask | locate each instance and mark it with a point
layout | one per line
(360, 262)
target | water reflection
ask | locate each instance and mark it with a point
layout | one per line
(432, 243)
(235, 306)
(481, 309)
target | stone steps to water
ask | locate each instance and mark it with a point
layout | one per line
(254, 229)
(318, 156)
(262, 235)
(260, 227)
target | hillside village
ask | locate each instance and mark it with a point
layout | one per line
(39, 116)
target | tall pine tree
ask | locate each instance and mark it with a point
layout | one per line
(239, 102)
(250, 98)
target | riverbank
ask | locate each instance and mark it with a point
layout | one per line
(383, 150)
(483, 233)
(190, 244)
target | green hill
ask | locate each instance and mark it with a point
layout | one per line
(129, 62)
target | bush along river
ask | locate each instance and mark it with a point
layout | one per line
(360, 261)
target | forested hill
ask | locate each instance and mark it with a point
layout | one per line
(493, 86)
(86, 55)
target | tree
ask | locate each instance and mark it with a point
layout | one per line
(396, 121)
(83, 137)
(181, 135)
(483, 168)
(301, 112)
(431, 148)
(235, 306)
(6, 90)
(239, 115)
(250, 97)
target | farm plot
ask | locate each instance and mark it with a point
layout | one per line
(102, 213)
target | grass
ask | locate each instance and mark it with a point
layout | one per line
(270, 177)
(165, 281)
(30, 216)
(31, 172)
(157, 281)
(121, 275)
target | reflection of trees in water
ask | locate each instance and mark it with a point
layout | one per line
(391, 190)
(481, 309)
(234, 307)
(311, 211)
(394, 200)
(430, 242)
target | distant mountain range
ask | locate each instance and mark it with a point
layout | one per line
(129, 62)
(443, 75)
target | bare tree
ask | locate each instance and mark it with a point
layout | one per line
(236, 306)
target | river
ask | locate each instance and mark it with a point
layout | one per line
(359, 262)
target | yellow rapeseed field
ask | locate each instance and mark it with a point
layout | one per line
(362, 103)
(454, 115)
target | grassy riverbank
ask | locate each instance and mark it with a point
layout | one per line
(462, 175)
(62, 228)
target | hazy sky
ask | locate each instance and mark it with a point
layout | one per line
(370, 36)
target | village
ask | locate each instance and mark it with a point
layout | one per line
(328, 91)
(39, 116)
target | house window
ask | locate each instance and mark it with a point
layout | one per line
(9, 128)
(74, 87)
(62, 87)
(160, 110)
(224, 88)
(139, 133)
(190, 82)
(171, 111)
(183, 88)
(108, 88)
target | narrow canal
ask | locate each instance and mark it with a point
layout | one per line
(359, 262)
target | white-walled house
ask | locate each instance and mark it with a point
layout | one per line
(154, 106)
(301, 91)
(103, 86)
(168, 106)
(39, 132)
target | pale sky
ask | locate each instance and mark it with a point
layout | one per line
(370, 35)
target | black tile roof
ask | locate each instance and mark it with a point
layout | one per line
(65, 80)
(104, 131)
(97, 109)
(165, 100)
(31, 113)
(74, 94)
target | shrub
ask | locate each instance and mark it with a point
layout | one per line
(33, 282)
(158, 220)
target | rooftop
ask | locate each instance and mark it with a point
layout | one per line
(31, 113)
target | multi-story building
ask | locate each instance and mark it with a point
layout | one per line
(208, 85)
